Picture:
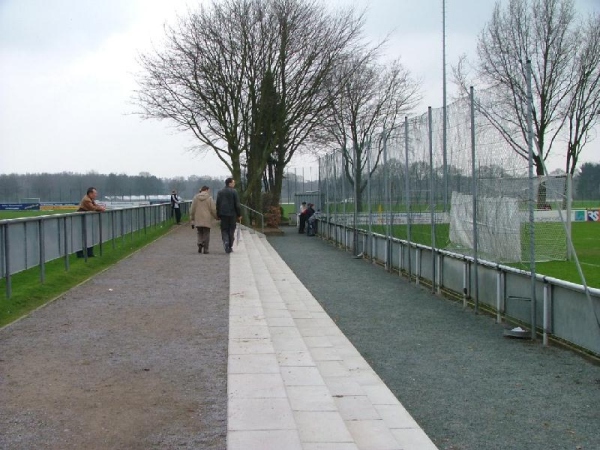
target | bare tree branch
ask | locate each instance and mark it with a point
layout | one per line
(540, 31)
(207, 79)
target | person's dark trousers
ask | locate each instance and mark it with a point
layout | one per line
(302, 223)
(203, 239)
(90, 253)
(228, 232)
(177, 212)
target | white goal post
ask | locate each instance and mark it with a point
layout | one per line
(498, 226)
(503, 223)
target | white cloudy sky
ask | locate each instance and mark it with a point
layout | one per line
(67, 76)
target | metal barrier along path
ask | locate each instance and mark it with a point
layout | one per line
(34, 241)
(563, 309)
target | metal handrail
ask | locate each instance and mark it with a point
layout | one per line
(262, 217)
(34, 241)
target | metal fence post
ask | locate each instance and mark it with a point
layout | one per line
(84, 236)
(371, 244)
(42, 251)
(531, 200)
(7, 262)
(66, 239)
(388, 198)
(431, 196)
(474, 194)
(407, 194)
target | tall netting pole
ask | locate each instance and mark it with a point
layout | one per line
(328, 194)
(474, 194)
(407, 195)
(356, 171)
(445, 108)
(369, 203)
(343, 177)
(431, 196)
(333, 194)
(388, 197)
(531, 200)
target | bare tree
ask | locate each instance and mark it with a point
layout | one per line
(373, 100)
(540, 31)
(583, 106)
(311, 43)
(199, 81)
(208, 78)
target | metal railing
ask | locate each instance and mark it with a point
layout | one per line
(31, 242)
(563, 310)
(249, 217)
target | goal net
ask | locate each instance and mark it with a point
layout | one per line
(503, 219)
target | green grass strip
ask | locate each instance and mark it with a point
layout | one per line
(584, 236)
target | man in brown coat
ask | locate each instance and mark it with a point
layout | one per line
(88, 203)
(202, 214)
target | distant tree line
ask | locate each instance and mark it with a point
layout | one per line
(70, 187)
(587, 182)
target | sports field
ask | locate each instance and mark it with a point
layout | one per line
(18, 214)
(586, 240)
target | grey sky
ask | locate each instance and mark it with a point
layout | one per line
(67, 68)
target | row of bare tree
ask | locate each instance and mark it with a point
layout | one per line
(257, 81)
(564, 51)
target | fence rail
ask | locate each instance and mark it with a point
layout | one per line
(563, 309)
(447, 200)
(31, 242)
(250, 217)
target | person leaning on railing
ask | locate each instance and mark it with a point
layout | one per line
(88, 203)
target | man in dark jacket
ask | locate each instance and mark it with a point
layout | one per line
(228, 211)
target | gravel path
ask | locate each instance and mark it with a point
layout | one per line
(464, 383)
(135, 358)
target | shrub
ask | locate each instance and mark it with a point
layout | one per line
(273, 217)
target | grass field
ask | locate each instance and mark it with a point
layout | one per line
(288, 208)
(19, 214)
(348, 207)
(586, 240)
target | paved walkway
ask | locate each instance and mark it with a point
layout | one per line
(136, 358)
(294, 380)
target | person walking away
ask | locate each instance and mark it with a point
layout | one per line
(175, 209)
(202, 214)
(302, 218)
(229, 212)
(88, 203)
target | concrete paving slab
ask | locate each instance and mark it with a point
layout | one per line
(292, 370)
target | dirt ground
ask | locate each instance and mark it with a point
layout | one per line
(135, 358)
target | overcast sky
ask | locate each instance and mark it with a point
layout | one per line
(67, 77)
